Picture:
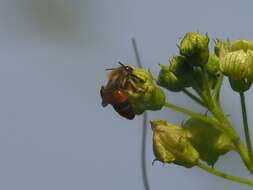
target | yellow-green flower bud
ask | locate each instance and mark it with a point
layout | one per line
(221, 46)
(241, 45)
(169, 80)
(218, 47)
(143, 94)
(238, 66)
(194, 47)
(213, 69)
(207, 140)
(177, 75)
(213, 66)
(178, 65)
(236, 62)
(171, 144)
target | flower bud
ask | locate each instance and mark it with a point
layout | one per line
(221, 46)
(213, 70)
(213, 66)
(238, 66)
(207, 140)
(241, 85)
(171, 144)
(145, 95)
(241, 45)
(234, 65)
(194, 47)
(175, 76)
(169, 80)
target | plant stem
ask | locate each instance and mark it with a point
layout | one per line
(193, 97)
(224, 124)
(216, 90)
(245, 124)
(224, 175)
(191, 113)
(230, 131)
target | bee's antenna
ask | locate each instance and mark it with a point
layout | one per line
(144, 129)
(121, 64)
(110, 69)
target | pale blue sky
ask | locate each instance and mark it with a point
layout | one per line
(54, 134)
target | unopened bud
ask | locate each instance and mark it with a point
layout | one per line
(169, 80)
(143, 93)
(171, 144)
(221, 46)
(235, 64)
(238, 66)
(213, 66)
(194, 47)
(213, 70)
(241, 45)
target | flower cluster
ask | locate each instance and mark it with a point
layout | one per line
(198, 72)
(186, 69)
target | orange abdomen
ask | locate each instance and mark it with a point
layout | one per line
(119, 96)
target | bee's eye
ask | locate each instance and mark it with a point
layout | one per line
(128, 68)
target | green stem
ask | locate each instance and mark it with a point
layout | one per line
(245, 124)
(191, 113)
(193, 97)
(224, 175)
(229, 130)
(216, 90)
(224, 124)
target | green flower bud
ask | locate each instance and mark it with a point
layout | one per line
(175, 76)
(213, 70)
(234, 65)
(182, 70)
(221, 46)
(236, 62)
(241, 45)
(171, 144)
(218, 47)
(213, 66)
(178, 65)
(207, 140)
(143, 94)
(194, 47)
(238, 66)
(240, 85)
(169, 80)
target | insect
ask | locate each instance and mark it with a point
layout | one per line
(113, 93)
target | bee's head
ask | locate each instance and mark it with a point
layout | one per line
(126, 67)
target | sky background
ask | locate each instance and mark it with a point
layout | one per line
(54, 134)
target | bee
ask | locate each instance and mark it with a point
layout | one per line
(113, 93)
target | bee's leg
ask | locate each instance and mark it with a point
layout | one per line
(153, 162)
(124, 82)
(137, 79)
(136, 88)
